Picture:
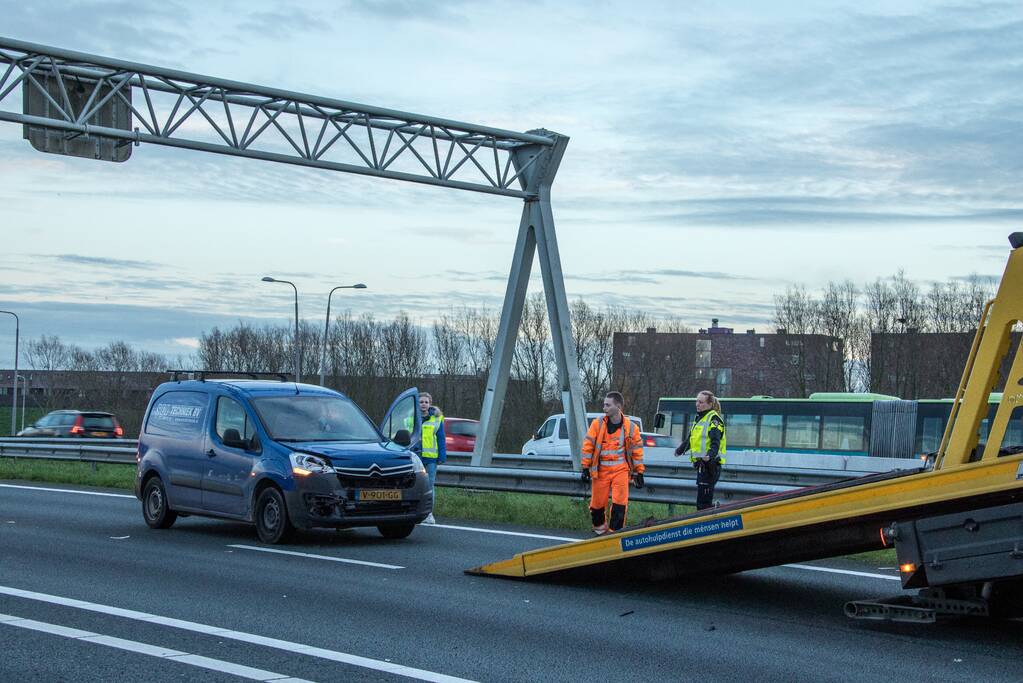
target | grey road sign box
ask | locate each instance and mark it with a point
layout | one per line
(115, 113)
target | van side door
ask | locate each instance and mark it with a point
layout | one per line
(232, 447)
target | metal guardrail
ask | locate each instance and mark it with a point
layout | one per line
(514, 473)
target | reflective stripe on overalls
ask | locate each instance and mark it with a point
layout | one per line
(430, 428)
(699, 437)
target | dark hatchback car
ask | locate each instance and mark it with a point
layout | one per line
(82, 424)
(282, 456)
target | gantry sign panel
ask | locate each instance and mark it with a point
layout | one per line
(86, 105)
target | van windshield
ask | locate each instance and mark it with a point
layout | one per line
(314, 418)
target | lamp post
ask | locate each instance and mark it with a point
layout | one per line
(24, 392)
(326, 327)
(14, 400)
(298, 347)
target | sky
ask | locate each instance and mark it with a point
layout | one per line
(719, 153)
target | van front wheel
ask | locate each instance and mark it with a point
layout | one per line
(272, 523)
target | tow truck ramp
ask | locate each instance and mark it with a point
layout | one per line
(850, 516)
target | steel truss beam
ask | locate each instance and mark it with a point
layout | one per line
(202, 113)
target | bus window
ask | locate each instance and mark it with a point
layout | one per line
(1014, 430)
(984, 427)
(802, 431)
(742, 430)
(931, 431)
(843, 433)
(770, 431)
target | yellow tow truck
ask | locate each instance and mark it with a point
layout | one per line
(957, 526)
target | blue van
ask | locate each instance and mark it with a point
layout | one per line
(279, 455)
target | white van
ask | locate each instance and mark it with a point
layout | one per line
(552, 436)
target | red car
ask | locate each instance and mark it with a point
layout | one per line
(460, 434)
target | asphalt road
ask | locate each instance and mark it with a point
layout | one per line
(88, 592)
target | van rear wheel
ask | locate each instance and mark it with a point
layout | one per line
(154, 505)
(396, 530)
(272, 523)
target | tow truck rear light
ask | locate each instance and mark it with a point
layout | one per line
(907, 568)
(77, 428)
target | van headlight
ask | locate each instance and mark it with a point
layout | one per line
(417, 463)
(304, 464)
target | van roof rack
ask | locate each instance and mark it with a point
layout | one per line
(201, 375)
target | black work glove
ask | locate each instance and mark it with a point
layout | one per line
(586, 475)
(680, 450)
(639, 480)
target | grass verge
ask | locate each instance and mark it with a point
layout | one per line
(544, 511)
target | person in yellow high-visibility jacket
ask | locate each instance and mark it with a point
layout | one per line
(612, 456)
(706, 446)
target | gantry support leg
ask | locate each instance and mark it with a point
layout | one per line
(536, 233)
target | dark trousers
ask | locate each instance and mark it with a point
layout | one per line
(707, 475)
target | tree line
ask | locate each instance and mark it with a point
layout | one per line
(852, 313)
(372, 359)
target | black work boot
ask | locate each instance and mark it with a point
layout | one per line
(617, 516)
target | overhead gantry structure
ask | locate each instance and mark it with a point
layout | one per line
(96, 107)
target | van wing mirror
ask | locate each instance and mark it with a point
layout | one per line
(658, 420)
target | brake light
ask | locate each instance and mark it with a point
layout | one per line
(77, 428)
(650, 441)
(118, 431)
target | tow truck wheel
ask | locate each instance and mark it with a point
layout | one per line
(154, 505)
(272, 523)
(396, 530)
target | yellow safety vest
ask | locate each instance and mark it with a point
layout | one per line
(430, 428)
(699, 437)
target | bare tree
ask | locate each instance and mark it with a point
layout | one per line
(47, 353)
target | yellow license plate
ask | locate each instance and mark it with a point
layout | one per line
(380, 494)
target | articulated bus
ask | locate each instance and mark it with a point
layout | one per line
(832, 424)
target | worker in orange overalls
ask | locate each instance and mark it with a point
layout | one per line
(612, 456)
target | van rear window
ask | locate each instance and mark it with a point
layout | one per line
(178, 414)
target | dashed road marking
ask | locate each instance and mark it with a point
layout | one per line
(149, 650)
(316, 557)
(849, 572)
(274, 643)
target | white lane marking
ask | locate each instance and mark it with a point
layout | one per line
(457, 528)
(195, 627)
(316, 557)
(498, 531)
(831, 570)
(84, 493)
(147, 649)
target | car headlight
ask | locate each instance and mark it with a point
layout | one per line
(304, 464)
(417, 462)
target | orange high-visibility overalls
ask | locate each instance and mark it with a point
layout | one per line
(612, 460)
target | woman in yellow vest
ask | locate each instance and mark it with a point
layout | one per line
(433, 449)
(706, 447)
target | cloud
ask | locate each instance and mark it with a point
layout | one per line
(282, 25)
(100, 261)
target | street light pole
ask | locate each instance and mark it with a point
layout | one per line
(24, 392)
(326, 328)
(14, 400)
(298, 346)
